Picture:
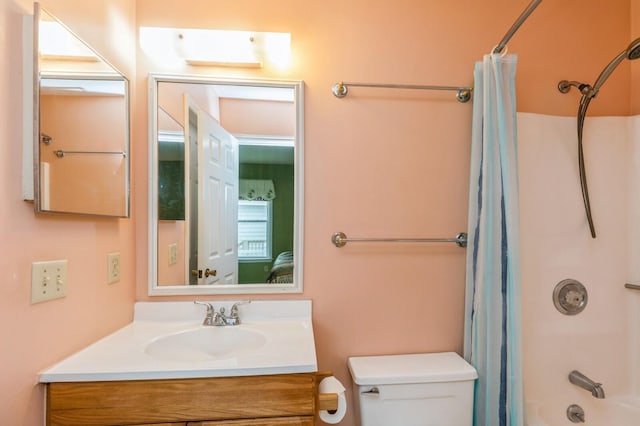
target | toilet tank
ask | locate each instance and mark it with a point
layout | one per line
(434, 389)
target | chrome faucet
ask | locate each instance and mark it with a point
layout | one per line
(234, 317)
(220, 318)
(212, 317)
(580, 380)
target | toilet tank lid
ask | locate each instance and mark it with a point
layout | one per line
(411, 368)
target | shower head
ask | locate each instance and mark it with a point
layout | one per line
(632, 52)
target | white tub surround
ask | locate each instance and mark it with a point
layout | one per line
(556, 244)
(283, 343)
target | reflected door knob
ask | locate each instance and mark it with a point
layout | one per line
(196, 273)
(210, 272)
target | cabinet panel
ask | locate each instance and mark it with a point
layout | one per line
(279, 421)
(182, 400)
(163, 424)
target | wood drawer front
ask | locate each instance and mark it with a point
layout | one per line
(164, 424)
(158, 401)
(280, 421)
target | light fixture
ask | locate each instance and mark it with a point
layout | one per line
(218, 48)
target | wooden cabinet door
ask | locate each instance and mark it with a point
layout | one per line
(163, 424)
(275, 421)
(151, 402)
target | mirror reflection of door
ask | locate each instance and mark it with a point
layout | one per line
(213, 194)
(256, 227)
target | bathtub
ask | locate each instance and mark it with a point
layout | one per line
(614, 411)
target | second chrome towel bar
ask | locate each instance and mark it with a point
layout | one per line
(463, 94)
(60, 153)
(339, 239)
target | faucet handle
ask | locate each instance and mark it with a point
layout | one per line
(209, 318)
(207, 304)
(234, 308)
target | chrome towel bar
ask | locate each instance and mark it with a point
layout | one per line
(60, 153)
(632, 286)
(463, 94)
(339, 239)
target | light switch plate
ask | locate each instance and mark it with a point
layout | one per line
(48, 280)
(113, 268)
(173, 254)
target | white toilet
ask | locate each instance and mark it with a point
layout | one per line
(433, 389)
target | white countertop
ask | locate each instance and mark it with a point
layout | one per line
(286, 326)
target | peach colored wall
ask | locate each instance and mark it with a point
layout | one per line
(258, 117)
(85, 183)
(384, 163)
(36, 336)
(392, 163)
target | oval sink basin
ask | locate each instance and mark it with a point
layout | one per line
(206, 344)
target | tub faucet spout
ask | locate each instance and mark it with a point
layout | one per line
(580, 380)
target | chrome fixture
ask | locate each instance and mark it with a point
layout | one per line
(60, 153)
(516, 25)
(632, 286)
(45, 139)
(339, 239)
(570, 297)
(341, 89)
(564, 86)
(589, 92)
(219, 319)
(582, 381)
(212, 317)
(575, 413)
(234, 317)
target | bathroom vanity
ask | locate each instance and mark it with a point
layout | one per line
(269, 400)
(167, 368)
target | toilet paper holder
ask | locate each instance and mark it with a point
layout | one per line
(325, 401)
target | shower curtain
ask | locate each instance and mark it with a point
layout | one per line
(492, 341)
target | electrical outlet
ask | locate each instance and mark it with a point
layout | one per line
(173, 254)
(113, 268)
(48, 280)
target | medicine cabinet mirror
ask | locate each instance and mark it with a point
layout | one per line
(226, 185)
(81, 125)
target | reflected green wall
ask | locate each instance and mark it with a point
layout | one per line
(283, 208)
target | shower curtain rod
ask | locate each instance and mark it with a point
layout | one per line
(516, 25)
(60, 153)
(463, 94)
(339, 239)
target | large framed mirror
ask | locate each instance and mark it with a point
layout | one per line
(226, 185)
(81, 125)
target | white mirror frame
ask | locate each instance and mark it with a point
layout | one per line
(298, 241)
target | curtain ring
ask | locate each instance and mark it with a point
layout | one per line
(503, 53)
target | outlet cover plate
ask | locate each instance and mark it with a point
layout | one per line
(113, 268)
(173, 254)
(48, 280)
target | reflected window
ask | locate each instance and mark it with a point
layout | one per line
(255, 221)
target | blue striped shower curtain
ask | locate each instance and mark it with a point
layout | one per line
(492, 340)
